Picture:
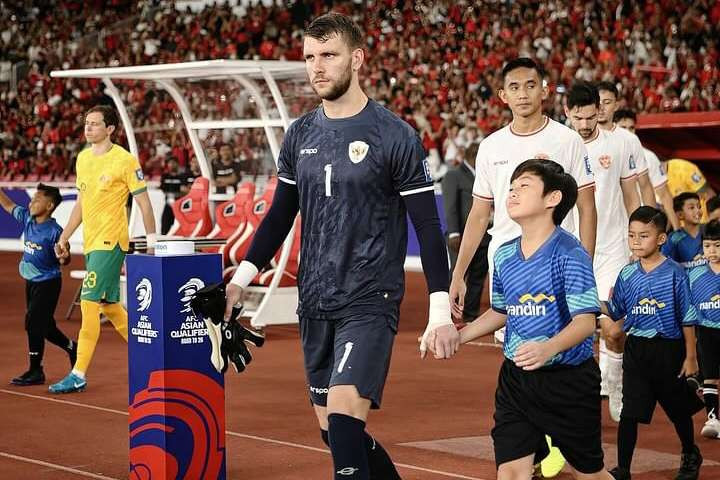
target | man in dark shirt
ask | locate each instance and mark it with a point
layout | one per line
(227, 171)
(353, 169)
(457, 185)
(174, 183)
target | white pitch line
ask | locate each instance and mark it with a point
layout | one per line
(233, 434)
(82, 473)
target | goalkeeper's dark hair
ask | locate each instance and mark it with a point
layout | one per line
(333, 23)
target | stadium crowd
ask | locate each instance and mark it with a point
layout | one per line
(437, 64)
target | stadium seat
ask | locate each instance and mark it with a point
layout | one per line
(254, 212)
(192, 212)
(231, 214)
(46, 177)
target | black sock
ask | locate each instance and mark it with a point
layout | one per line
(347, 445)
(56, 337)
(684, 429)
(325, 437)
(626, 438)
(381, 466)
(710, 395)
(36, 349)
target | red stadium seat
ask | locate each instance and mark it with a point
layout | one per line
(46, 177)
(254, 212)
(192, 212)
(32, 177)
(231, 214)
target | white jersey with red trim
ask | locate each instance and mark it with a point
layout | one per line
(658, 177)
(634, 148)
(611, 164)
(501, 152)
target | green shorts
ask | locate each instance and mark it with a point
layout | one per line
(102, 280)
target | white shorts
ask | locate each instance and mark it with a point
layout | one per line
(607, 268)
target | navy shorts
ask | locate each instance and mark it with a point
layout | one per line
(354, 350)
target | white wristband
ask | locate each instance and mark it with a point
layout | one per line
(244, 274)
(439, 310)
(439, 315)
(151, 240)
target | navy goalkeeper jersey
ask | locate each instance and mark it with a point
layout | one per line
(351, 175)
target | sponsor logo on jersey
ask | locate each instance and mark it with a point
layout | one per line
(308, 151)
(530, 305)
(143, 291)
(647, 306)
(713, 304)
(32, 247)
(357, 151)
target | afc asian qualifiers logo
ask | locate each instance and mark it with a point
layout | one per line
(357, 151)
(143, 292)
(188, 291)
(177, 428)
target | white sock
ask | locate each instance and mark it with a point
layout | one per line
(78, 373)
(614, 366)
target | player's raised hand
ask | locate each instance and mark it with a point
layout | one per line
(458, 288)
(533, 355)
(234, 295)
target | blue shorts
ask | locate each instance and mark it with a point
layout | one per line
(354, 350)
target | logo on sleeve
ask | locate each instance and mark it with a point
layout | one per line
(426, 169)
(633, 164)
(139, 174)
(696, 177)
(586, 160)
(357, 151)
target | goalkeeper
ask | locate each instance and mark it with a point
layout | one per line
(353, 169)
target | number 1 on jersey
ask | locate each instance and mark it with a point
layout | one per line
(328, 173)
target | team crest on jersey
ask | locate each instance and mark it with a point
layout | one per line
(605, 161)
(357, 151)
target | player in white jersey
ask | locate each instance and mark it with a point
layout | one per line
(658, 177)
(608, 106)
(529, 135)
(613, 167)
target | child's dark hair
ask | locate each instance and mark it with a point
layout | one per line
(712, 230)
(554, 178)
(52, 193)
(648, 215)
(679, 201)
(713, 204)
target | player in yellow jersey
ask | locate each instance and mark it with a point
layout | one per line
(685, 176)
(106, 175)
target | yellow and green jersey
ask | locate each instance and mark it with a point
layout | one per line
(104, 182)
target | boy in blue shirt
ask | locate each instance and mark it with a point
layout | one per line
(685, 244)
(544, 293)
(651, 303)
(41, 270)
(705, 291)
